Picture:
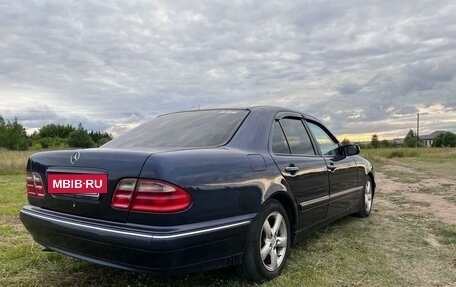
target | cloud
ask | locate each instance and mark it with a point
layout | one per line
(112, 65)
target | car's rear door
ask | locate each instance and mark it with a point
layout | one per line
(305, 171)
(343, 173)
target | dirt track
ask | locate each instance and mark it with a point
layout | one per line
(417, 197)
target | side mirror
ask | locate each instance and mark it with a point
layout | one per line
(351, 149)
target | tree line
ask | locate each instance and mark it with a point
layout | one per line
(446, 139)
(57, 136)
(51, 136)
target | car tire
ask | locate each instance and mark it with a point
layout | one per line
(367, 199)
(268, 244)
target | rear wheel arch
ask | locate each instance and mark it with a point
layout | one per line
(285, 200)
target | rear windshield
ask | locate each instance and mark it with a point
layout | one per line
(186, 129)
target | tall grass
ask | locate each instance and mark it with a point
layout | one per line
(13, 162)
(423, 153)
(431, 161)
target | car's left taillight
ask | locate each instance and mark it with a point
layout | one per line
(35, 185)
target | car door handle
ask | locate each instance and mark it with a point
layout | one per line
(331, 167)
(291, 169)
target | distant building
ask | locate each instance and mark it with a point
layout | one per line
(428, 140)
(397, 141)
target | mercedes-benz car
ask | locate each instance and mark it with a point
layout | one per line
(198, 190)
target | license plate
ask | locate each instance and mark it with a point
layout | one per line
(77, 183)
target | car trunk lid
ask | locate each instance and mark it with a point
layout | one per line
(116, 164)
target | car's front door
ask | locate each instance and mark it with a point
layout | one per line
(305, 172)
(343, 177)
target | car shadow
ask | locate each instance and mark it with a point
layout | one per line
(80, 273)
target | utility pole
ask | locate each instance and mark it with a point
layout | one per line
(417, 128)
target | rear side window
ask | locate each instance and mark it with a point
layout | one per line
(297, 137)
(186, 129)
(279, 143)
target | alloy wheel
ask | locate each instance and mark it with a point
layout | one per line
(368, 196)
(273, 241)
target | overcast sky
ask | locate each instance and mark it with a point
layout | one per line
(363, 67)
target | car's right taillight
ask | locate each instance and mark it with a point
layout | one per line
(147, 195)
(35, 185)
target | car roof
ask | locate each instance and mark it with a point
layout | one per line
(276, 109)
(262, 108)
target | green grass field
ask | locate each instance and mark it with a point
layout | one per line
(409, 240)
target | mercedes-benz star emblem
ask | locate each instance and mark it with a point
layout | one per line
(75, 158)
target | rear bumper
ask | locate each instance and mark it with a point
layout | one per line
(153, 249)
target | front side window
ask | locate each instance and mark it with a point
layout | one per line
(327, 145)
(297, 137)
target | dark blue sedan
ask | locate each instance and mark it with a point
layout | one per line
(197, 190)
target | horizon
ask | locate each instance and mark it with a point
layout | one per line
(355, 138)
(361, 69)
